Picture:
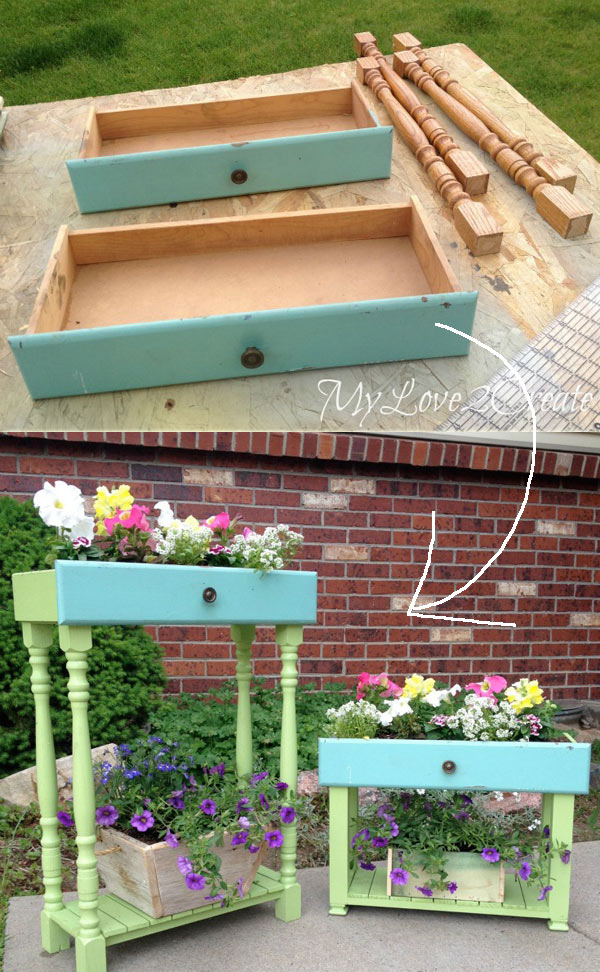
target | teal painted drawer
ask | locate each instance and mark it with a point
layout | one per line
(169, 303)
(456, 764)
(173, 153)
(117, 593)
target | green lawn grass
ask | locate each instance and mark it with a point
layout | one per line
(58, 49)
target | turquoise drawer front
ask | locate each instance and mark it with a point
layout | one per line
(105, 593)
(414, 763)
(175, 352)
(205, 172)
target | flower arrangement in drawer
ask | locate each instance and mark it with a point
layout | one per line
(122, 530)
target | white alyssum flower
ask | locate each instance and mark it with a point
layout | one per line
(60, 505)
(361, 707)
(395, 709)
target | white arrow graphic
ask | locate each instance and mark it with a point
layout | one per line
(500, 624)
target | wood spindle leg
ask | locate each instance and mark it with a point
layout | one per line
(90, 946)
(339, 848)
(289, 637)
(38, 639)
(560, 822)
(243, 636)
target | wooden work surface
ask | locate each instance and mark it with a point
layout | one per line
(521, 289)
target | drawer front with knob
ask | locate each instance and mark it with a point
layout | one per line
(561, 767)
(118, 593)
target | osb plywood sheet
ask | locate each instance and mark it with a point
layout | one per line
(521, 289)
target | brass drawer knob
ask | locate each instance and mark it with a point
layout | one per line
(209, 594)
(239, 177)
(252, 358)
(449, 766)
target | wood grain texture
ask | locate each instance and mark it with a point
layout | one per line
(563, 212)
(554, 171)
(521, 289)
(472, 175)
(472, 221)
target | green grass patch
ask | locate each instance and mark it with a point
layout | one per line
(75, 48)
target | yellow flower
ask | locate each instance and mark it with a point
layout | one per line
(416, 686)
(192, 522)
(107, 503)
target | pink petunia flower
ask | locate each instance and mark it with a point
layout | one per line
(219, 522)
(489, 687)
(366, 681)
(136, 517)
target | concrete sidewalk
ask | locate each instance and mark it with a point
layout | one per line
(377, 938)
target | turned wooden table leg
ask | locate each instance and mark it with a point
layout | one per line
(472, 175)
(554, 203)
(289, 637)
(243, 636)
(90, 945)
(38, 639)
(472, 221)
(554, 172)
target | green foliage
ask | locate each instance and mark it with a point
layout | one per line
(596, 751)
(205, 724)
(125, 668)
(77, 48)
(353, 720)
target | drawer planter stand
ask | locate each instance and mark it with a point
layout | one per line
(78, 595)
(557, 770)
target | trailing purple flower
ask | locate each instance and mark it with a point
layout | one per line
(65, 818)
(274, 838)
(142, 821)
(490, 854)
(106, 816)
(399, 876)
(195, 882)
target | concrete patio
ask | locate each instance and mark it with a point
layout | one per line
(376, 937)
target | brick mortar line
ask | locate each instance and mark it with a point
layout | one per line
(347, 447)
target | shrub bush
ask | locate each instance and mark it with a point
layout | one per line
(205, 724)
(125, 668)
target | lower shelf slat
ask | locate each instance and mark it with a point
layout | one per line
(121, 921)
(368, 888)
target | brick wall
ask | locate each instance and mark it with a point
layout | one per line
(364, 505)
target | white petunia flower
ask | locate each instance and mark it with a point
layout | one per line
(166, 513)
(396, 708)
(436, 697)
(82, 530)
(60, 505)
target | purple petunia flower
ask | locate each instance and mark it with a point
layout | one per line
(264, 802)
(239, 838)
(490, 854)
(219, 770)
(525, 871)
(240, 887)
(546, 831)
(171, 839)
(195, 882)
(462, 815)
(274, 838)
(214, 897)
(244, 822)
(281, 786)
(142, 821)
(361, 833)
(544, 892)
(257, 777)
(452, 887)
(254, 848)
(65, 818)
(106, 816)
(466, 799)
(565, 856)
(209, 807)
(427, 892)
(399, 876)
(379, 841)
(176, 800)
(185, 865)
(242, 805)
(288, 815)
(366, 866)
(394, 831)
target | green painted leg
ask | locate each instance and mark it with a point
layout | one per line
(243, 636)
(289, 637)
(38, 639)
(339, 849)
(561, 830)
(90, 947)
